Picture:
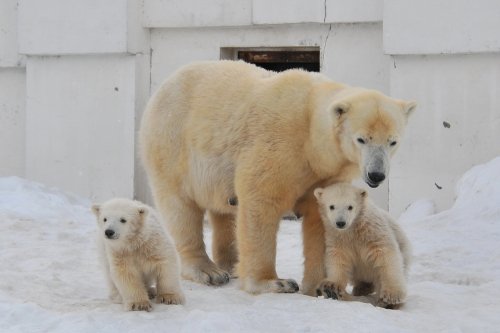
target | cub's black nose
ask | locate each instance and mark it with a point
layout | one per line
(376, 177)
(109, 233)
(340, 224)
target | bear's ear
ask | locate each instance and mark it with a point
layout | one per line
(409, 107)
(96, 209)
(318, 193)
(340, 108)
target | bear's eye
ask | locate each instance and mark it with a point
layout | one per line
(349, 208)
(360, 140)
(105, 219)
(122, 220)
(393, 143)
(332, 207)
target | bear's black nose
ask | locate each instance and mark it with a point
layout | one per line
(376, 177)
(340, 224)
(109, 233)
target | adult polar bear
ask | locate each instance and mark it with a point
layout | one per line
(215, 130)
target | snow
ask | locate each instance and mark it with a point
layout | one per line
(50, 280)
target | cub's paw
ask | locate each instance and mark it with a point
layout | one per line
(330, 289)
(391, 299)
(139, 306)
(170, 299)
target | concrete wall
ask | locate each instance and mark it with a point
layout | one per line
(62, 121)
(83, 74)
(12, 121)
(441, 26)
(12, 94)
(80, 123)
(455, 127)
(445, 55)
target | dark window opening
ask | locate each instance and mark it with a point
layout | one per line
(282, 60)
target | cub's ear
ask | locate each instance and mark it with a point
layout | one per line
(143, 211)
(409, 107)
(96, 209)
(340, 108)
(318, 193)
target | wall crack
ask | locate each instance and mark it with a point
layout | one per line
(324, 45)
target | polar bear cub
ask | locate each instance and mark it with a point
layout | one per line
(364, 247)
(139, 257)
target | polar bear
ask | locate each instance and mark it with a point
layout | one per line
(227, 129)
(138, 256)
(364, 247)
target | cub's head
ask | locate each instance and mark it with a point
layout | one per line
(120, 219)
(340, 204)
(370, 127)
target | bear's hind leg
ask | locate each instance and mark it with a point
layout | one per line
(224, 250)
(257, 229)
(185, 223)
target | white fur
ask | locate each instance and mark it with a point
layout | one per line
(370, 251)
(139, 259)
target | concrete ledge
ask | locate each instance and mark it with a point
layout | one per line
(444, 26)
(72, 26)
(287, 11)
(196, 13)
(353, 11)
(8, 35)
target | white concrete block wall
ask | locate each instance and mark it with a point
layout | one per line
(441, 26)
(12, 121)
(9, 57)
(350, 11)
(354, 55)
(72, 26)
(137, 35)
(80, 121)
(196, 13)
(173, 48)
(455, 126)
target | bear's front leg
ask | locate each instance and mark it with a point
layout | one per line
(168, 286)
(257, 227)
(392, 283)
(129, 283)
(313, 234)
(338, 272)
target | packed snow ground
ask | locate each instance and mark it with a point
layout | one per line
(50, 280)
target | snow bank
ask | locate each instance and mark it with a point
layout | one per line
(23, 199)
(50, 280)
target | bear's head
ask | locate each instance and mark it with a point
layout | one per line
(120, 220)
(370, 127)
(340, 204)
